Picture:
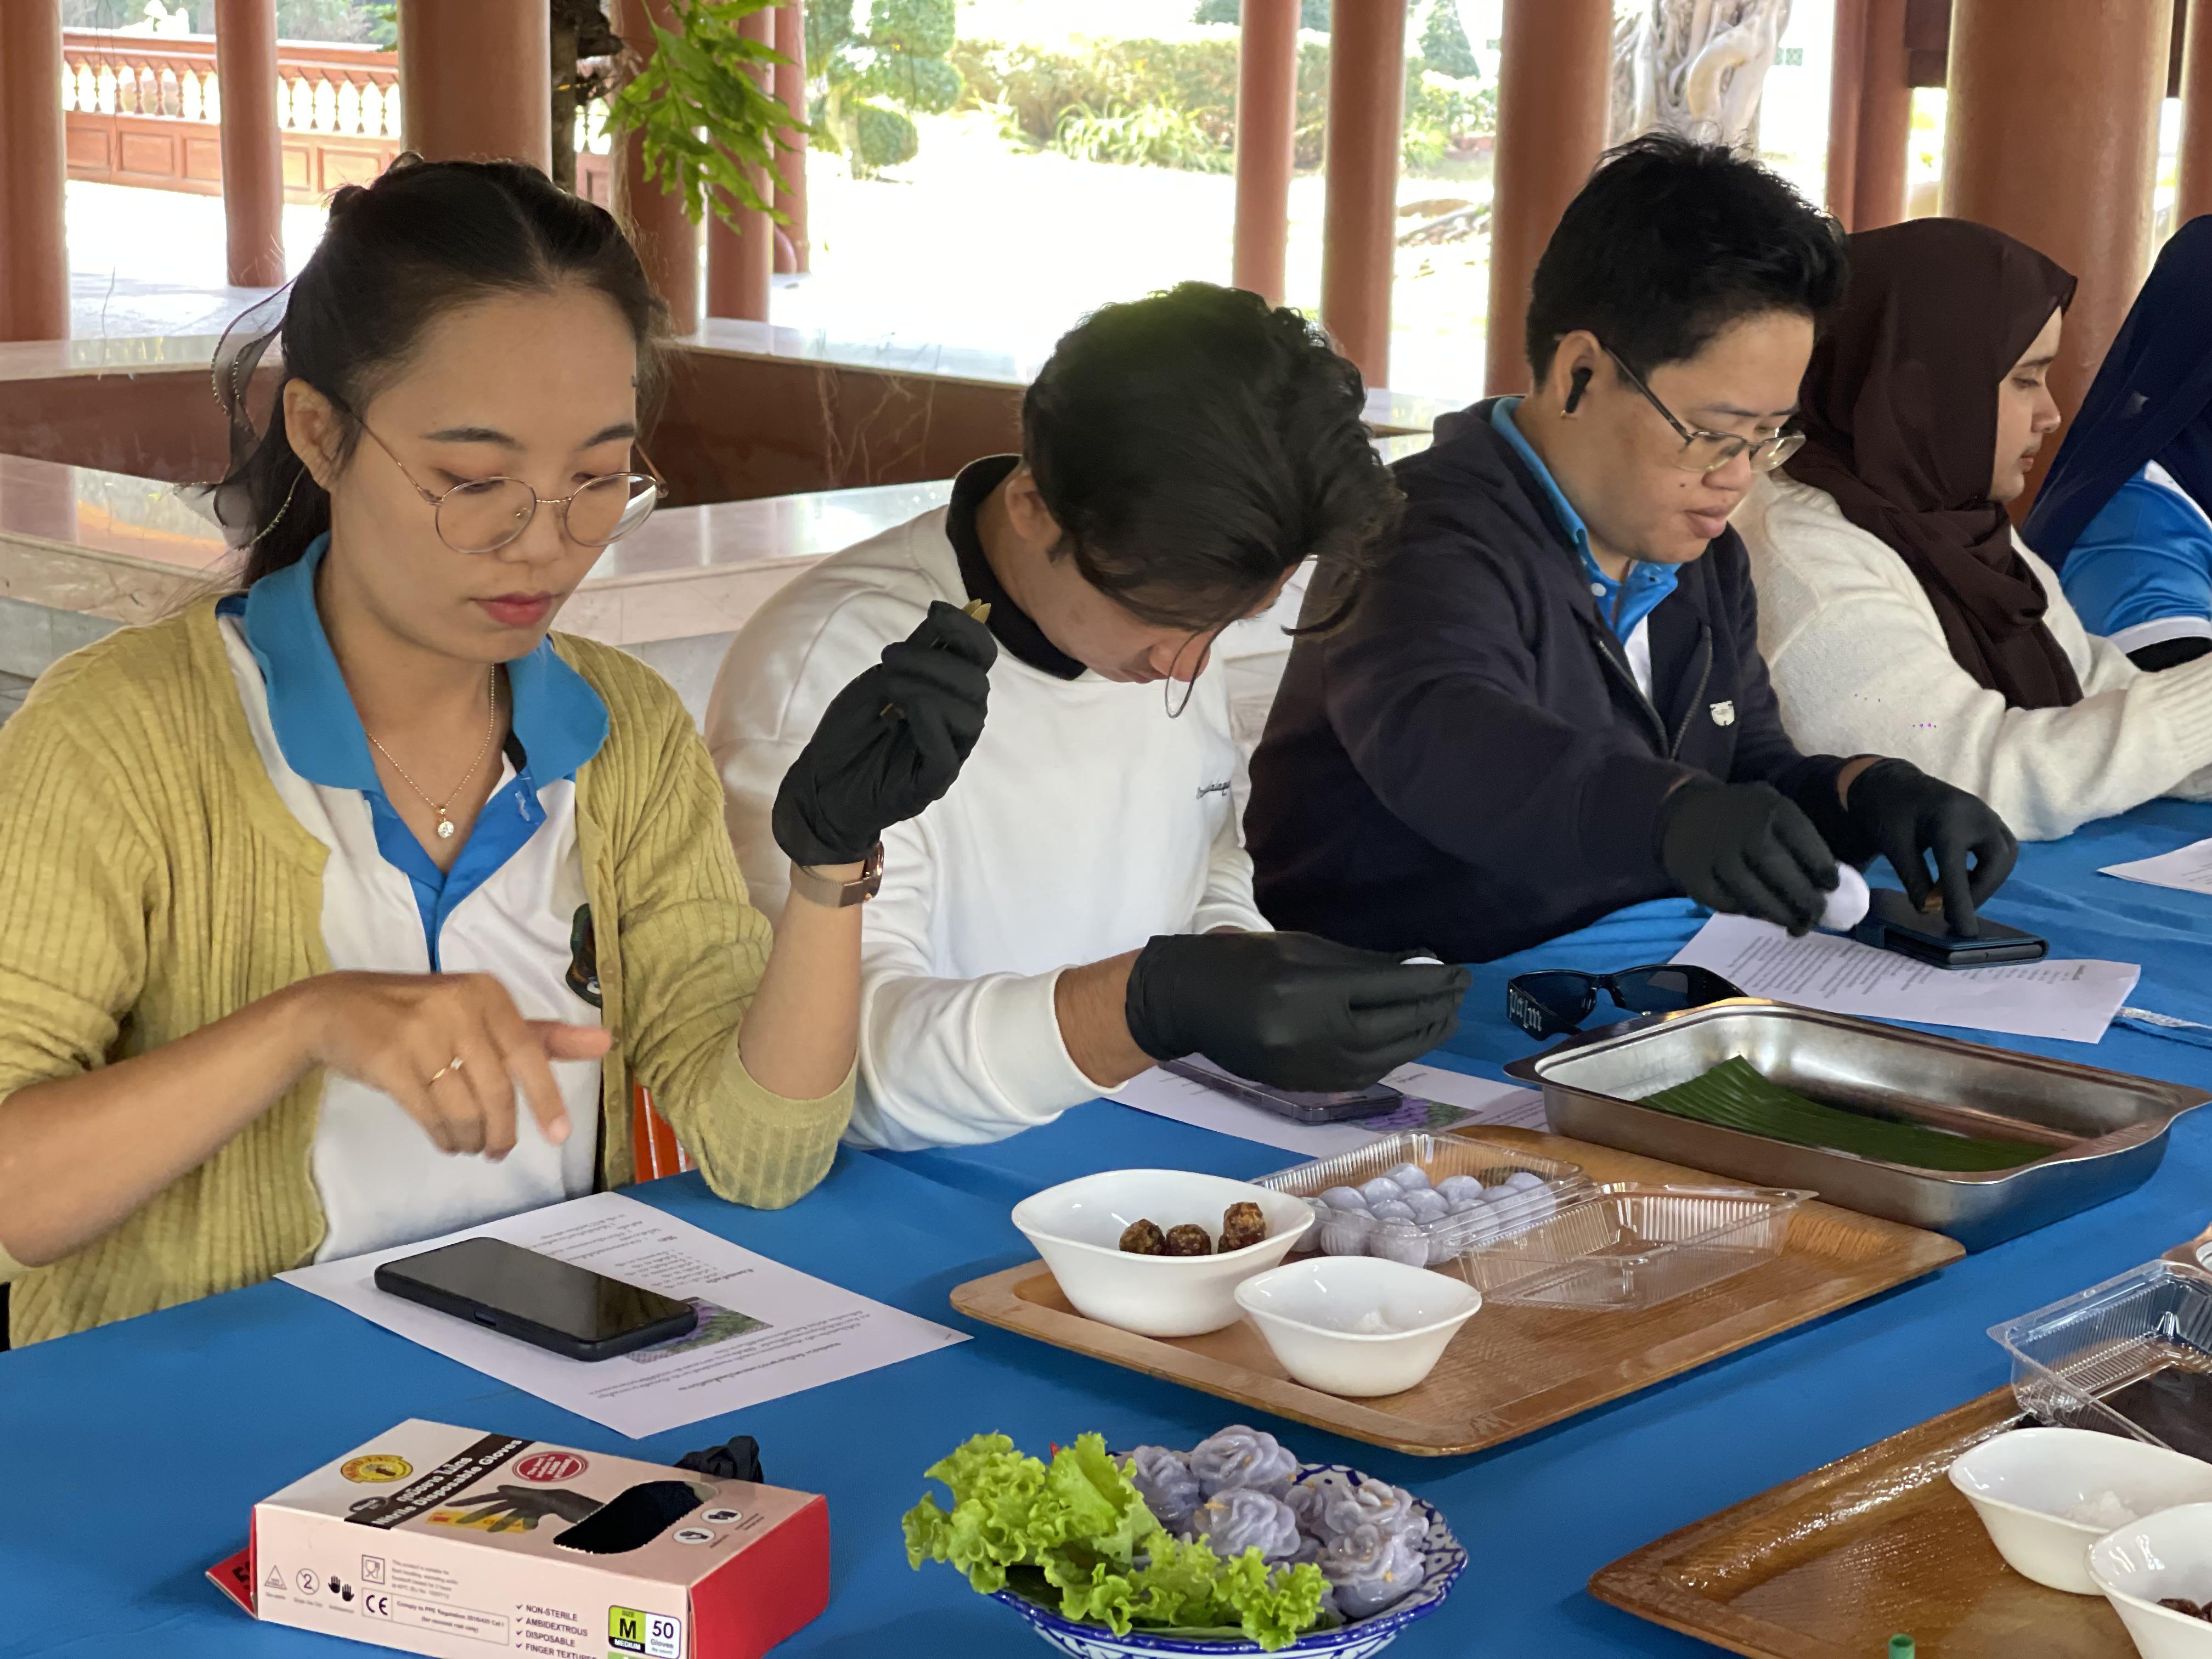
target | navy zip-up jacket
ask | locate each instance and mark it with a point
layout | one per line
(1468, 765)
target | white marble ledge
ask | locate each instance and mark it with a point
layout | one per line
(897, 354)
(49, 360)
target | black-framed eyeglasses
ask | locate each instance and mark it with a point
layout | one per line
(1708, 451)
(1556, 1002)
(481, 515)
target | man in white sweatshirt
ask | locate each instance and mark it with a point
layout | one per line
(1080, 904)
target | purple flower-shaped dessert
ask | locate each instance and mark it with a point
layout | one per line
(1237, 1519)
(1310, 1497)
(1345, 1507)
(1238, 1456)
(1370, 1569)
(1164, 1480)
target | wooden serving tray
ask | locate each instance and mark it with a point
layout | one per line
(1833, 1564)
(1511, 1369)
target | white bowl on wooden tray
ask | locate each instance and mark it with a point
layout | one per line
(2046, 1495)
(1357, 1326)
(1077, 1228)
(2143, 1563)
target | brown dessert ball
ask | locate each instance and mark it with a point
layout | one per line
(1144, 1238)
(1187, 1240)
(1241, 1224)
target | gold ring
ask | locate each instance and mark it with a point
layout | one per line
(452, 1065)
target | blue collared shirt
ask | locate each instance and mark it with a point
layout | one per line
(558, 723)
(1623, 604)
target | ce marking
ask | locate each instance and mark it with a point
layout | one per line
(376, 1604)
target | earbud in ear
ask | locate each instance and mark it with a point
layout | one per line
(1576, 386)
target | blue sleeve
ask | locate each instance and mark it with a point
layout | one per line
(2146, 557)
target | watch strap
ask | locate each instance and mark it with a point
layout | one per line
(837, 895)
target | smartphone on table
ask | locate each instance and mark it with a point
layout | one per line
(1893, 922)
(1338, 1107)
(570, 1310)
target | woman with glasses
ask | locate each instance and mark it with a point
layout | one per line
(1899, 609)
(345, 909)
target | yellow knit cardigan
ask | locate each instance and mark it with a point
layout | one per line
(151, 881)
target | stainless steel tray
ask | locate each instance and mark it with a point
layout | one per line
(2106, 1131)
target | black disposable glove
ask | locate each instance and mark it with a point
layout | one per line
(519, 1509)
(1906, 814)
(889, 743)
(1748, 850)
(1288, 1008)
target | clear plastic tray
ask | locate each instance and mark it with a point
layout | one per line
(1430, 1244)
(1632, 1245)
(2069, 1359)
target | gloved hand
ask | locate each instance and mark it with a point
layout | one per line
(890, 743)
(1907, 815)
(519, 1509)
(1748, 850)
(1288, 1008)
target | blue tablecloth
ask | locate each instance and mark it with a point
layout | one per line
(130, 1456)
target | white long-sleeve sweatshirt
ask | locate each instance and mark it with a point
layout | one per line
(1085, 822)
(1861, 666)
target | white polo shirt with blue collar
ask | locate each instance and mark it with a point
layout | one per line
(1626, 606)
(509, 907)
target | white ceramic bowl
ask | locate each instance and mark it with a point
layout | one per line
(2022, 1483)
(2169, 1553)
(1309, 1313)
(1077, 1228)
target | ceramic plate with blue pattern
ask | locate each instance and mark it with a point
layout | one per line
(1442, 1557)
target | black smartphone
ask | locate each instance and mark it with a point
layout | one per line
(534, 1299)
(1341, 1107)
(1894, 923)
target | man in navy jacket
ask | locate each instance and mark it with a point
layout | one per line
(1549, 702)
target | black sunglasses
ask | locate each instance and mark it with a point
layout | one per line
(1556, 1002)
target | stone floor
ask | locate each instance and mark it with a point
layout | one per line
(12, 688)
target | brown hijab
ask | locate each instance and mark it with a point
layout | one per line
(1900, 418)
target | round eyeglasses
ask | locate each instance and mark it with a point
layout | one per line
(1708, 451)
(481, 515)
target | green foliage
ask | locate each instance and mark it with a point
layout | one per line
(1312, 13)
(701, 75)
(882, 138)
(898, 59)
(1154, 135)
(1155, 100)
(1444, 46)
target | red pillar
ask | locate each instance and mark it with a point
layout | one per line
(1884, 145)
(35, 286)
(2193, 193)
(741, 258)
(1554, 102)
(2052, 136)
(791, 164)
(1266, 124)
(476, 80)
(253, 150)
(667, 242)
(1359, 223)
(1846, 73)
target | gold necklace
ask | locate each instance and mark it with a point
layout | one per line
(445, 822)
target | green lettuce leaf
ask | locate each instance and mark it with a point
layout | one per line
(1083, 1526)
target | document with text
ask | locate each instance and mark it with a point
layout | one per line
(2048, 998)
(764, 1331)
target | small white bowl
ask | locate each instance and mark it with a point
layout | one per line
(1309, 1312)
(2169, 1553)
(1077, 1228)
(2021, 1484)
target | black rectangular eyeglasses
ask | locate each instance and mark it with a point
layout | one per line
(1556, 1002)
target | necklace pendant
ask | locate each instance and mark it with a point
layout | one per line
(445, 828)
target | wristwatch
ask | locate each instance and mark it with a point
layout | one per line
(838, 894)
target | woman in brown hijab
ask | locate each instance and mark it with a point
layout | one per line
(1899, 611)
